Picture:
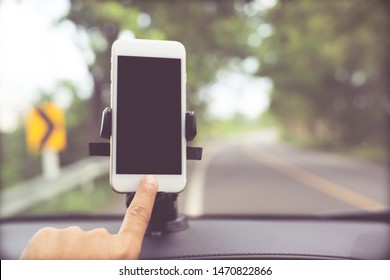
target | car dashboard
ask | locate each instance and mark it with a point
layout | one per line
(230, 237)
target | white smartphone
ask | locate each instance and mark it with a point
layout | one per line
(148, 101)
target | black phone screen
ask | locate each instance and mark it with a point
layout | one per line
(148, 132)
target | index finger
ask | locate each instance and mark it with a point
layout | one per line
(138, 214)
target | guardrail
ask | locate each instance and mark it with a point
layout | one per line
(26, 194)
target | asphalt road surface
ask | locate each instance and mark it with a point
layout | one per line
(260, 175)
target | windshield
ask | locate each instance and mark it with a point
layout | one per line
(291, 100)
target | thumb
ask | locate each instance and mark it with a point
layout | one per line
(138, 214)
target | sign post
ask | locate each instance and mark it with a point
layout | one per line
(50, 164)
(46, 134)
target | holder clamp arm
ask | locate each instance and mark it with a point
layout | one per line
(103, 149)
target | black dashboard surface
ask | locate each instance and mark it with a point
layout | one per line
(213, 238)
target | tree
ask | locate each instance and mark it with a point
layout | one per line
(212, 32)
(329, 61)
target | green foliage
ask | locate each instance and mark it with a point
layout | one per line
(329, 64)
(77, 124)
(17, 164)
(213, 33)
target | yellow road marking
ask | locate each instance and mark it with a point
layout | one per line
(313, 181)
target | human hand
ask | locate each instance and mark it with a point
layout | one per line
(75, 243)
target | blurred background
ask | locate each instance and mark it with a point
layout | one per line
(291, 98)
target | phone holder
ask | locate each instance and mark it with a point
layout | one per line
(164, 217)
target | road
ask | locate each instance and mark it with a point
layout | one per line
(259, 175)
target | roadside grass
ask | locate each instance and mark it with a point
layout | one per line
(83, 200)
(372, 153)
(221, 129)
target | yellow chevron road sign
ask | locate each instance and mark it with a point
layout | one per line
(45, 129)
